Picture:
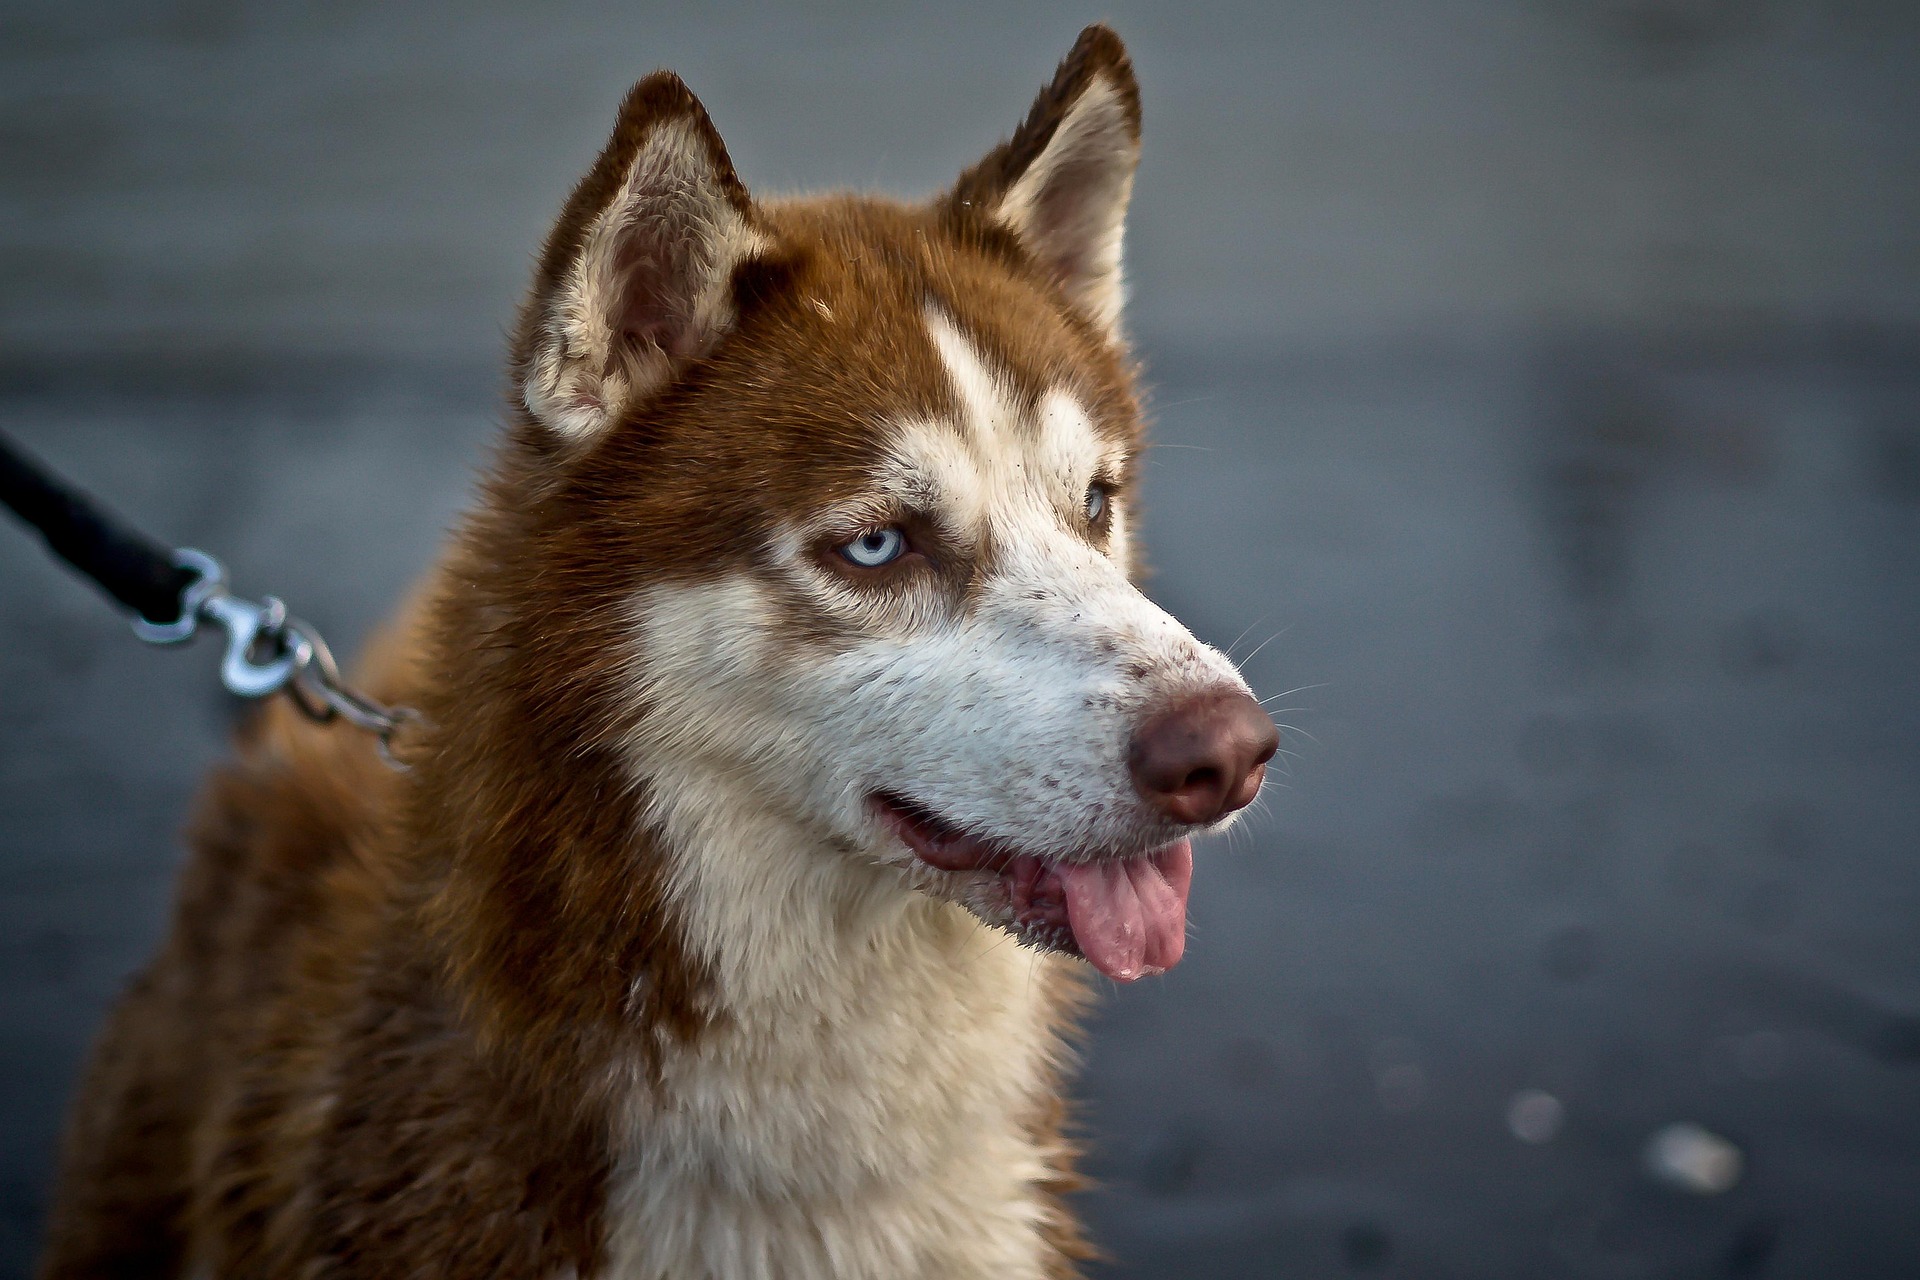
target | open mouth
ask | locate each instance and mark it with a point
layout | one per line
(1126, 916)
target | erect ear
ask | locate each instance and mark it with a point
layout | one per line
(1061, 183)
(636, 278)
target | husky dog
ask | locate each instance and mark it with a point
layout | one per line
(787, 664)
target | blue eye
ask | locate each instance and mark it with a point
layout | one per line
(876, 547)
(1096, 503)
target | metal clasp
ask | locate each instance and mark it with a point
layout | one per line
(267, 651)
(262, 653)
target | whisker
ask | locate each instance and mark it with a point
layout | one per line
(972, 960)
(1264, 643)
(1294, 728)
(1175, 404)
(1243, 632)
(1299, 688)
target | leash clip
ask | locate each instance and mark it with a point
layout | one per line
(263, 653)
(267, 651)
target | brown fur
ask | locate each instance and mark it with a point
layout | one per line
(395, 1014)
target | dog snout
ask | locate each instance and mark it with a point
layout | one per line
(1203, 758)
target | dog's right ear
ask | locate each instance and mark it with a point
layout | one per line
(636, 279)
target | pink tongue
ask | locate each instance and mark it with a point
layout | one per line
(1130, 917)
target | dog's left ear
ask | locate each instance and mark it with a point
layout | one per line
(635, 282)
(1060, 185)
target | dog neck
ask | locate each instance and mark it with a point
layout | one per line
(865, 1090)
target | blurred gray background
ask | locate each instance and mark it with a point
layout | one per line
(1538, 388)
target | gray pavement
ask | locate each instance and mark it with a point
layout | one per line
(1537, 386)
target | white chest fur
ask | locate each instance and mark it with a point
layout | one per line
(860, 1107)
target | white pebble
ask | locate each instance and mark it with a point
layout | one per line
(1689, 1158)
(1535, 1116)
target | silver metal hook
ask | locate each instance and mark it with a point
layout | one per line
(267, 651)
(262, 656)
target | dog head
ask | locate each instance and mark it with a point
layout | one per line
(857, 477)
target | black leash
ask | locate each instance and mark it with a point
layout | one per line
(171, 592)
(139, 574)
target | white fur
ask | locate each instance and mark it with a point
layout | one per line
(857, 1111)
(860, 1108)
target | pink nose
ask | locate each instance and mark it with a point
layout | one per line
(1201, 759)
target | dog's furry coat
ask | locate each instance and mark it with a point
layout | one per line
(622, 978)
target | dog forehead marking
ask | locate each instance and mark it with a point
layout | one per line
(986, 408)
(998, 464)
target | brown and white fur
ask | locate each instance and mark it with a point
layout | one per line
(659, 961)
